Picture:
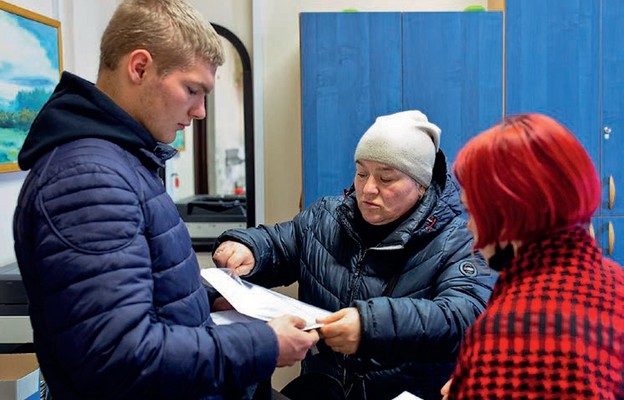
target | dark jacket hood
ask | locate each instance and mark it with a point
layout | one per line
(77, 110)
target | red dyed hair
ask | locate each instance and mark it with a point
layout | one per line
(525, 177)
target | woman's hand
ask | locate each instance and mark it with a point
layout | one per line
(235, 256)
(342, 330)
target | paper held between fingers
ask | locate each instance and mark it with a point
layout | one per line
(259, 302)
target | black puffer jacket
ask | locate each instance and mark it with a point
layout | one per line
(409, 338)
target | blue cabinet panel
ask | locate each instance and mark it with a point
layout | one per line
(552, 56)
(453, 72)
(610, 233)
(350, 74)
(613, 106)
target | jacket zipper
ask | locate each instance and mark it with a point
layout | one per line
(356, 280)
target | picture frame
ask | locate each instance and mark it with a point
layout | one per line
(31, 63)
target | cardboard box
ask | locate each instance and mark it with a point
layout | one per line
(19, 377)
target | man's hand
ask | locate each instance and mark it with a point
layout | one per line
(293, 342)
(235, 256)
(342, 330)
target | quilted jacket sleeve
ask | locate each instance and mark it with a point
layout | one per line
(275, 249)
(89, 271)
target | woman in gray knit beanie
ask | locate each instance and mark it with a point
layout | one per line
(392, 258)
(394, 149)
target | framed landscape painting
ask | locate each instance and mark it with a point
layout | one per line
(30, 68)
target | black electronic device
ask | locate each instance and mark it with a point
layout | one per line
(13, 299)
(207, 216)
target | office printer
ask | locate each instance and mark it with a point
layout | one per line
(207, 216)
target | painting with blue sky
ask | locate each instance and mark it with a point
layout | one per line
(30, 66)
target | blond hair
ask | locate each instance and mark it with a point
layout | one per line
(174, 33)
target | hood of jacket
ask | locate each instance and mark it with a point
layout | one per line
(77, 110)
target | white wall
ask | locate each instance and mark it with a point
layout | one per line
(83, 22)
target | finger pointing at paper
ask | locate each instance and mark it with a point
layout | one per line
(342, 330)
(234, 255)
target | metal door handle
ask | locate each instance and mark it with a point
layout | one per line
(592, 233)
(611, 239)
(611, 192)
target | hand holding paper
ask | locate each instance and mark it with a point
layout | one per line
(342, 330)
(293, 343)
(235, 256)
(259, 302)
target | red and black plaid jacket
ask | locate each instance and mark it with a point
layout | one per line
(553, 328)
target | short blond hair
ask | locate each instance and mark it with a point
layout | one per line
(175, 34)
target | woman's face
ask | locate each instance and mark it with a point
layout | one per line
(384, 194)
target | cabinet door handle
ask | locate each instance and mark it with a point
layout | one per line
(591, 230)
(611, 192)
(611, 239)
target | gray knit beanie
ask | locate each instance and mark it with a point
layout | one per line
(406, 141)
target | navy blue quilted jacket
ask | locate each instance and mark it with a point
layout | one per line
(409, 338)
(116, 300)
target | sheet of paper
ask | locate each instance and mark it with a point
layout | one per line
(259, 302)
(407, 396)
(230, 317)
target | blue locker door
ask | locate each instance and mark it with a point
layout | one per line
(350, 74)
(610, 233)
(552, 64)
(612, 174)
(453, 72)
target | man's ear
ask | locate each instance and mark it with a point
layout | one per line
(138, 64)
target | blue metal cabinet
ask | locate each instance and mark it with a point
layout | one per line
(453, 72)
(552, 49)
(350, 74)
(612, 129)
(566, 59)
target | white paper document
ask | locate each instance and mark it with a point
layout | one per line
(259, 302)
(229, 317)
(407, 396)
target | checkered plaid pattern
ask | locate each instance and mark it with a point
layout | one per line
(553, 328)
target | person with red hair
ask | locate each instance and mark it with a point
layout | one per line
(554, 325)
